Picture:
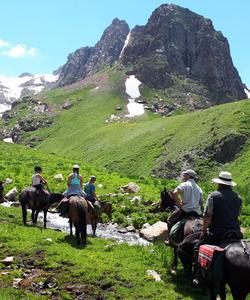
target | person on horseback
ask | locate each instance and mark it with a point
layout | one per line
(38, 181)
(74, 183)
(221, 214)
(90, 189)
(188, 197)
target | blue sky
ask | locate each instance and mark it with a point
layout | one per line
(37, 36)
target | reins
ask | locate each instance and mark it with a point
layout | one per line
(245, 249)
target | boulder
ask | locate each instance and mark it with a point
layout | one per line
(131, 188)
(11, 195)
(67, 105)
(8, 181)
(59, 177)
(158, 231)
(136, 199)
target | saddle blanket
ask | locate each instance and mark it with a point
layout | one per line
(206, 254)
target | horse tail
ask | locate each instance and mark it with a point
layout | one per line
(82, 221)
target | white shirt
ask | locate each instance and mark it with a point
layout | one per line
(191, 195)
(35, 179)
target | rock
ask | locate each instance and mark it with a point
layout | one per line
(48, 240)
(50, 282)
(146, 225)
(100, 185)
(130, 229)
(67, 105)
(8, 181)
(16, 282)
(178, 41)
(8, 260)
(11, 195)
(59, 177)
(154, 274)
(88, 60)
(136, 199)
(131, 188)
(225, 150)
(158, 231)
(118, 108)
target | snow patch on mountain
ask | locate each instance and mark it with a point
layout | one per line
(12, 87)
(247, 91)
(132, 89)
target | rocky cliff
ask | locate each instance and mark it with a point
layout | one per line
(88, 60)
(177, 44)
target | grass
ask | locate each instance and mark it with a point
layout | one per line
(102, 269)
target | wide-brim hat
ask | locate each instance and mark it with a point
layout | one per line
(224, 178)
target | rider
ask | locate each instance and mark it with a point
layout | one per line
(89, 189)
(221, 214)
(188, 197)
(74, 183)
(38, 181)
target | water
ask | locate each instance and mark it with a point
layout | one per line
(107, 231)
(132, 89)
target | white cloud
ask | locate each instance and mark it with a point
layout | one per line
(4, 43)
(20, 50)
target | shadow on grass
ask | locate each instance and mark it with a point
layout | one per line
(71, 240)
(184, 287)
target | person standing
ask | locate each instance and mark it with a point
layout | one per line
(221, 215)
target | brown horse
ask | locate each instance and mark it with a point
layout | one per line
(77, 214)
(37, 201)
(92, 213)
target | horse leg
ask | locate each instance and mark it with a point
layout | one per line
(33, 215)
(222, 291)
(175, 262)
(77, 234)
(24, 213)
(45, 218)
(70, 226)
(212, 291)
(94, 225)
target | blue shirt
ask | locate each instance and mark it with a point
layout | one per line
(89, 189)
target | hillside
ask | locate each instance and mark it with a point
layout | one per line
(149, 145)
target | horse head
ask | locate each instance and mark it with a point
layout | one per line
(55, 198)
(167, 199)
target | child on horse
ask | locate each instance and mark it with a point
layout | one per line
(38, 181)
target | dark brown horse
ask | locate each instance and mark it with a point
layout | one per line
(236, 267)
(191, 226)
(37, 201)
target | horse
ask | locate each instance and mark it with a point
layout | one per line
(94, 213)
(191, 226)
(34, 200)
(236, 266)
(77, 214)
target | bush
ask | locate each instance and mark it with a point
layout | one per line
(138, 220)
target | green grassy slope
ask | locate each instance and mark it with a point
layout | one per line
(138, 146)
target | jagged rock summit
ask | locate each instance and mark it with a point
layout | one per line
(176, 47)
(88, 60)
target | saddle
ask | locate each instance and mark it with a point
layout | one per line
(177, 231)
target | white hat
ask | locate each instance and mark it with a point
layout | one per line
(76, 167)
(190, 172)
(224, 178)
